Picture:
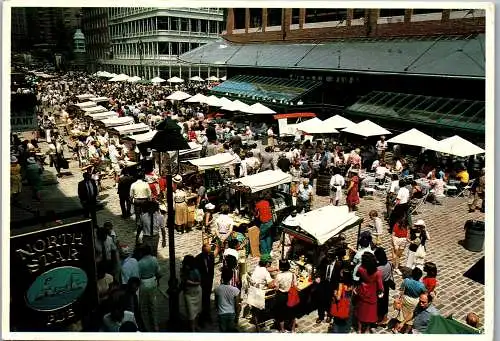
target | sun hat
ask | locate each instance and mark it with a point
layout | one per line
(31, 159)
(209, 206)
(13, 159)
(420, 222)
(177, 178)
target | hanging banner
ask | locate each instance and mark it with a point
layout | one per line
(52, 277)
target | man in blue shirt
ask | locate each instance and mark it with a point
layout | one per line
(422, 314)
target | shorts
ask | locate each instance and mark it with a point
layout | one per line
(399, 243)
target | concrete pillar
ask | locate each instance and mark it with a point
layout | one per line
(350, 13)
(230, 21)
(208, 72)
(169, 71)
(264, 19)
(217, 72)
(247, 19)
(371, 27)
(189, 72)
(446, 15)
(408, 13)
(286, 20)
(302, 17)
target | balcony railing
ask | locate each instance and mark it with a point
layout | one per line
(164, 32)
(134, 11)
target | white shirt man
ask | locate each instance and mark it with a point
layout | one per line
(403, 195)
(375, 164)
(381, 145)
(380, 172)
(140, 190)
(261, 277)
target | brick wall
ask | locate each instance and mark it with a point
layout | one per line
(370, 29)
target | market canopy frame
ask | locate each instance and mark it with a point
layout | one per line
(437, 112)
(266, 89)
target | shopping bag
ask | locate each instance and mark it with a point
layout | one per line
(341, 309)
(293, 295)
(256, 297)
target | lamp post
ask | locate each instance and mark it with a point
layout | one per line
(169, 138)
(140, 49)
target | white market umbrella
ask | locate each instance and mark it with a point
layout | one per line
(223, 78)
(175, 80)
(157, 80)
(196, 79)
(213, 101)
(120, 78)
(212, 79)
(178, 96)
(236, 106)
(338, 122)
(458, 146)
(315, 126)
(198, 98)
(258, 108)
(224, 101)
(414, 137)
(134, 79)
(366, 128)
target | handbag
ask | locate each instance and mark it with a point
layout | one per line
(256, 297)
(293, 295)
(341, 309)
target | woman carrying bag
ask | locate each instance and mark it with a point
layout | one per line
(284, 284)
(341, 305)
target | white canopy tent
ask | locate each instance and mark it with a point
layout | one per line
(103, 115)
(130, 129)
(263, 180)
(120, 78)
(214, 161)
(224, 101)
(213, 101)
(338, 122)
(367, 128)
(134, 79)
(196, 79)
(86, 105)
(315, 126)
(325, 222)
(178, 96)
(414, 137)
(198, 98)
(84, 96)
(117, 121)
(142, 138)
(94, 110)
(175, 79)
(99, 99)
(212, 79)
(458, 146)
(258, 108)
(157, 80)
(236, 106)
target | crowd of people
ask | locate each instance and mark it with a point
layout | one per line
(352, 292)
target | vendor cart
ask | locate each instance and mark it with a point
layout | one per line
(312, 234)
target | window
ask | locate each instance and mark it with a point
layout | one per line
(426, 10)
(255, 17)
(314, 15)
(184, 48)
(184, 24)
(195, 27)
(358, 13)
(213, 26)
(175, 48)
(204, 26)
(386, 12)
(174, 23)
(239, 18)
(163, 47)
(295, 16)
(274, 16)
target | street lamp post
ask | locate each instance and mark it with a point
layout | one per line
(140, 49)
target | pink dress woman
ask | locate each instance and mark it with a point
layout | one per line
(366, 305)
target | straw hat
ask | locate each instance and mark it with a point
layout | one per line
(177, 178)
(13, 159)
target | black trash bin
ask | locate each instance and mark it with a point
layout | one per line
(474, 235)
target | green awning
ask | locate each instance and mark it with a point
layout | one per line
(265, 89)
(440, 325)
(438, 112)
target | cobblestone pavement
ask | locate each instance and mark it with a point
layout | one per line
(456, 294)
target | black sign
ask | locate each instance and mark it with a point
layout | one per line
(52, 276)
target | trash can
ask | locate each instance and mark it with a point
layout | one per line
(474, 235)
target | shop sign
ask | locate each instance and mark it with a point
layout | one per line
(52, 276)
